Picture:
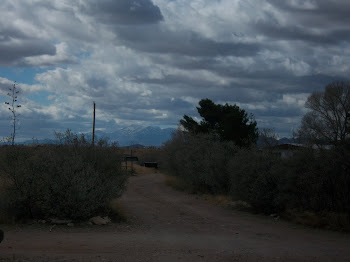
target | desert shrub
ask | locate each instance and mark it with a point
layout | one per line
(200, 160)
(316, 181)
(212, 166)
(5, 214)
(64, 181)
(150, 154)
(251, 179)
(310, 182)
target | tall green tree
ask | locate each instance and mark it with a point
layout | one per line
(228, 122)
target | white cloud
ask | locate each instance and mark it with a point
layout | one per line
(62, 56)
(298, 68)
(155, 61)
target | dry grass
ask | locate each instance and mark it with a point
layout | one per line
(144, 154)
(219, 200)
(141, 170)
(329, 220)
(178, 184)
(227, 202)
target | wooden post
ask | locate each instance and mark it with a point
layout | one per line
(93, 127)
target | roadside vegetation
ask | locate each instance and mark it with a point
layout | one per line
(310, 187)
(71, 180)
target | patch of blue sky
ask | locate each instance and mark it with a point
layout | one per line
(83, 55)
(41, 97)
(24, 75)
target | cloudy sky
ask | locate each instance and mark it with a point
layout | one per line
(149, 62)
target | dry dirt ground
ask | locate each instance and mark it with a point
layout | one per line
(166, 225)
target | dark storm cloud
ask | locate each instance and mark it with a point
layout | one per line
(258, 76)
(276, 81)
(151, 61)
(278, 112)
(238, 78)
(318, 22)
(174, 79)
(154, 39)
(303, 33)
(13, 49)
(124, 12)
(325, 11)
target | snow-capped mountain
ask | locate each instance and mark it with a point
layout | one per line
(126, 136)
(148, 136)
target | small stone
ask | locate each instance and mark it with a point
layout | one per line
(98, 220)
(108, 220)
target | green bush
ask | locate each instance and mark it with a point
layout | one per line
(251, 179)
(72, 181)
(200, 160)
(314, 181)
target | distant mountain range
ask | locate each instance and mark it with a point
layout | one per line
(136, 136)
(152, 136)
(128, 136)
(147, 136)
(281, 141)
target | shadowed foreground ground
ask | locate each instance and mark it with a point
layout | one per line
(166, 225)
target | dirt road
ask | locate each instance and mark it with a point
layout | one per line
(166, 225)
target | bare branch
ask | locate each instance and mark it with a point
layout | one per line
(328, 120)
(13, 96)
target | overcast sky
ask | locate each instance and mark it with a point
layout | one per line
(149, 62)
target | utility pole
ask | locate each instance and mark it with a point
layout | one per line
(93, 127)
